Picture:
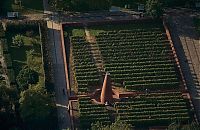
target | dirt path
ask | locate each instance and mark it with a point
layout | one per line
(89, 38)
(95, 52)
(186, 42)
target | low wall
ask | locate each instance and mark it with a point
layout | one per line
(175, 55)
(65, 61)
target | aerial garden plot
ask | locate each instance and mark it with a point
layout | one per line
(125, 71)
(23, 79)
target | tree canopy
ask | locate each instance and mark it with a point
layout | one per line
(37, 108)
(27, 76)
(8, 98)
(117, 125)
(80, 5)
(18, 40)
(153, 8)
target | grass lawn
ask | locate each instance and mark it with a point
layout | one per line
(74, 31)
(29, 54)
(78, 32)
(29, 5)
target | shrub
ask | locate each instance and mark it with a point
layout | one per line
(29, 33)
(18, 40)
(27, 76)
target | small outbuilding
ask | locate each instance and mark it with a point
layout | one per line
(13, 14)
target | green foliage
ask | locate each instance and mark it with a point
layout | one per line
(86, 74)
(91, 113)
(80, 5)
(117, 125)
(2, 33)
(5, 98)
(152, 109)
(78, 32)
(37, 108)
(18, 40)
(8, 98)
(153, 8)
(8, 60)
(178, 126)
(25, 77)
(166, 3)
(11, 75)
(29, 33)
(3, 46)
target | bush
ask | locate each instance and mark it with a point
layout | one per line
(29, 33)
(153, 8)
(27, 76)
(18, 40)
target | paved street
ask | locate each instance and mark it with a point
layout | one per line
(59, 77)
(54, 40)
(187, 44)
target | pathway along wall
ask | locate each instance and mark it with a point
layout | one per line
(184, 87)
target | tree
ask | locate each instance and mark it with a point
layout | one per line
(37, 108)
(18, 40)
(117, 125)
(80, 5)
(8, 99)
(153, 8)
(27, 76)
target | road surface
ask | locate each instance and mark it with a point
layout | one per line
(59, 78)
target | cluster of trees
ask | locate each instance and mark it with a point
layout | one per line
(121, 125)
(154, 8)
(166, 3)
(80, 5)
(26, 103)
(91, 5)
(8, 103)
(25, 77)
(37, 109)
(117, 125)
